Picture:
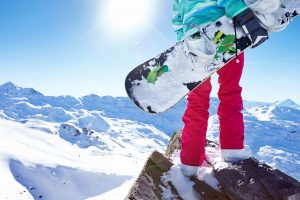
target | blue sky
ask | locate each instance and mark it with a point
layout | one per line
(62, 47)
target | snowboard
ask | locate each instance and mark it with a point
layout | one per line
(159, 83)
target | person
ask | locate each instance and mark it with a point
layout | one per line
(188, 16)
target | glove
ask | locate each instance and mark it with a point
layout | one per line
(251, 27)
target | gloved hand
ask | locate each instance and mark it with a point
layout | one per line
(251, 26)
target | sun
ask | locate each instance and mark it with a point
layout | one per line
(126, 14)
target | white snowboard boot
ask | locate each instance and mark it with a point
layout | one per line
(234, 155)
(265, 11)
(190, 171)
(200, 50)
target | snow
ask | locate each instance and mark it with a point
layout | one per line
(280, 159)
(206, 174)
(84, 155)
(94, 147)
(36, 163)
(183, 184)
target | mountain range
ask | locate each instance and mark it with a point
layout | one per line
(93, 139)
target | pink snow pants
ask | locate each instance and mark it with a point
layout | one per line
(229, 112)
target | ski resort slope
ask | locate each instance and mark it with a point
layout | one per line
(35, 164)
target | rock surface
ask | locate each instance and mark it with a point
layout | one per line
(248, 179)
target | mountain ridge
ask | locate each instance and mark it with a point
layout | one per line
(63, 139)
(272, 130)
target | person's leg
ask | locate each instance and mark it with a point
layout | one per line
(231, 105)
(195, 121)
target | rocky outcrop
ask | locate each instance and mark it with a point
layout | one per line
(174, 144)
(248, 179)
(148, 185)
(253, 180)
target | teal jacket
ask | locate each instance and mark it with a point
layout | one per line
(187, 13)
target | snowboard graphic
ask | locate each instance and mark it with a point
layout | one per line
(159, 83)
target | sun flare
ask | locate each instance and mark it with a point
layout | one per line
(126, 14)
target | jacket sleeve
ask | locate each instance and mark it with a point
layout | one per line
(233, 7)
(177, 20)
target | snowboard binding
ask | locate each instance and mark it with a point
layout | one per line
(200, 50)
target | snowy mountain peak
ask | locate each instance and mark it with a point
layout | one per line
(10, 89)
(287, 103)
(8, 86)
